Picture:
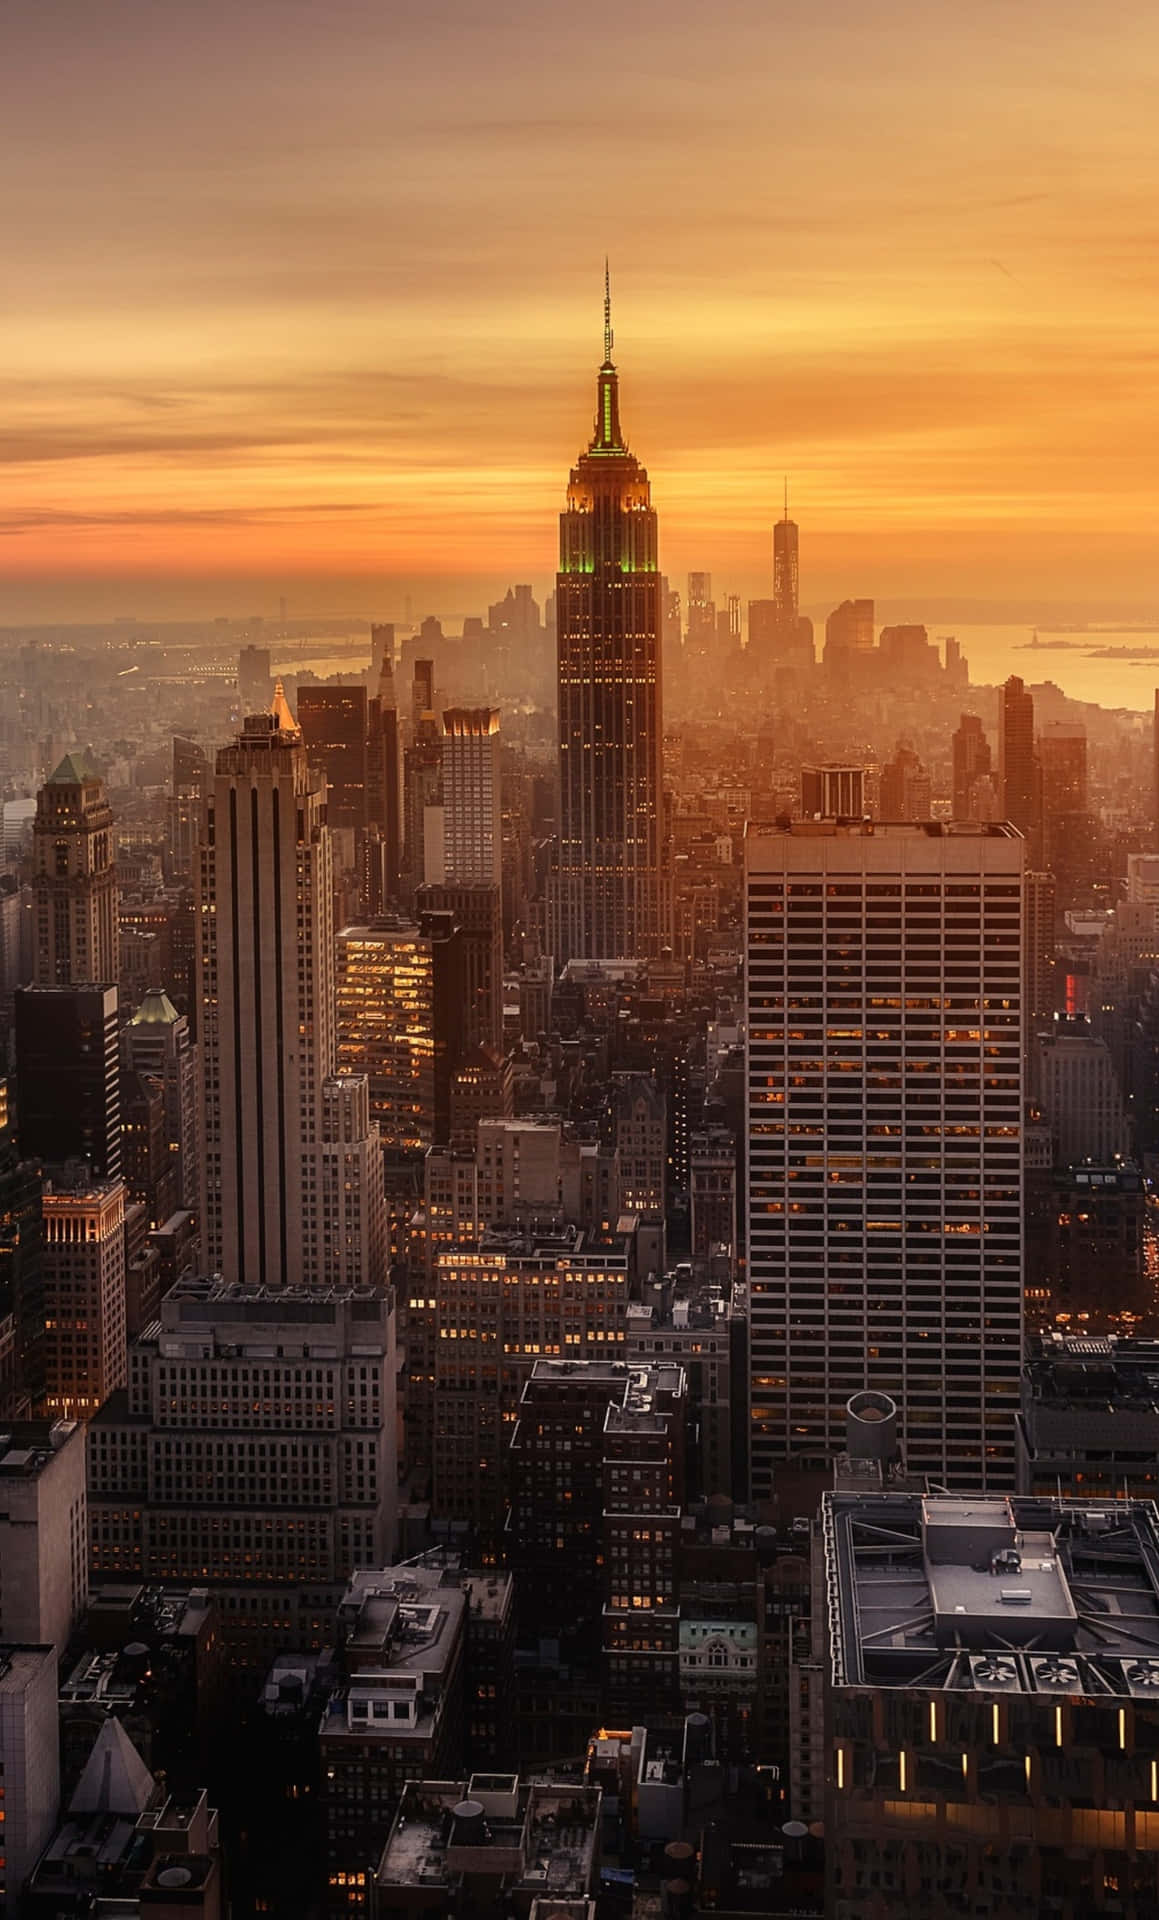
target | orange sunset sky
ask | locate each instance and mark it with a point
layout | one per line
(305, 298)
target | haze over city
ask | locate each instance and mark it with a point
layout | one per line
(304, 301)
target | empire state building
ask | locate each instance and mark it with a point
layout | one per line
(609, 892)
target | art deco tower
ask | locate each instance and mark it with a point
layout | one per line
(290, 1170)
(610, 893)
(75, 886)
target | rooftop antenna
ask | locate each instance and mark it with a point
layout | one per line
(786, 496)
(607, 314)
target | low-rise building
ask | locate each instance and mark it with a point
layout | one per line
(458, 1847)
(128, 1846)
(396, 1714)
(1088, 1425)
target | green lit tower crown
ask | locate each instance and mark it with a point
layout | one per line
(610, 893)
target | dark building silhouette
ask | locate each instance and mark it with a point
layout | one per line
(971, 753)
(382, 853)
(334, 734)
(68, 1076)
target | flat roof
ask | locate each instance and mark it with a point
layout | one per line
(1022, 1594)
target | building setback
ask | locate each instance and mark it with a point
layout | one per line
(253, 1452)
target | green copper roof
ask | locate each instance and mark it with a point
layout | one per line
(74, 770)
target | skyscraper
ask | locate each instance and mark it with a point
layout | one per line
(383, 845)
(971, 754)
(333, 724)
(68, 1076)
(609, 893)
(266, 989)
(472, 797)
(885, 1121)
(786, 569)
(75, 885)
(1018, 763)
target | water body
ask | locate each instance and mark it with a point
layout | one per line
(1095, 665)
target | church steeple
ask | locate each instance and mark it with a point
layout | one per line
(608, 437)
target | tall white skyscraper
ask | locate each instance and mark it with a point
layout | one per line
(885, 1141)
(472, 802)
(266, 986)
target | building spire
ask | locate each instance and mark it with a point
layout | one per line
(280, 711)
(786, 515)
(608, 437)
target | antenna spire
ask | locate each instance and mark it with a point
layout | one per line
(607, 314)
(786, 496)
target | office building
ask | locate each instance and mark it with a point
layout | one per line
(884, 1141)
(1039, 949)
(1018, 766)
(597, 1490)
(905, 789)
(266, 992)
(472, 797)
(610, 889)
(971, 766)
(422, 805)
(189, 783)
(1086, 1238)
(482, 1088)
(422, 692)
(75, 878)
(397, 1716)
(30, 1757)
(713, 1196)
(253, 1452)
(487, 1312)
(129, 1845)
(991, 1713)
(640, 1113)
(476, 908)
(491, 1843)
(333, 721)
(254, 684)
(149, 1173)
(643, 1502)
(1080, 1094)
(157, 1042)
(1088, 1427)
(848, 633)
(351, 1242)
(43, 1532)
(401, 1014)
(382, 856)
(84, 1291)
(21, 1271)
(834, 793)
(68, 1076)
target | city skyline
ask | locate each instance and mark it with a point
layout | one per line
(253, 363)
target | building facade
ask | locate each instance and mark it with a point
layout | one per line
(75, 879)
(884, 1141)
(253, 1452)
